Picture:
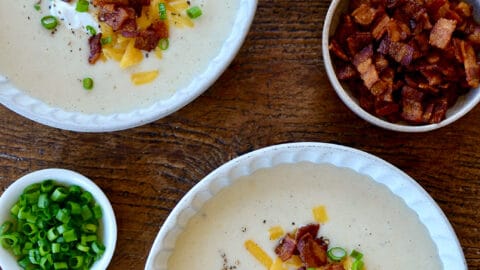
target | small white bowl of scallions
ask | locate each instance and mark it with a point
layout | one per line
(56, 219)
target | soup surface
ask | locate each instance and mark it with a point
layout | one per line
(363, 215)
(50, 67)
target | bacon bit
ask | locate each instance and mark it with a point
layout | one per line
(358, 41)
(311, 253)
(472, 69)
(363, 62)
(115, 16)
(334, 266)
(148, 39)
(412, 104)
(95, 48)
(311, 229)
(364, 15)
(346, 72)
(286, 248)
(474, 37)
(400, 52)
(337, 50)
(442, 33)
(381, 27)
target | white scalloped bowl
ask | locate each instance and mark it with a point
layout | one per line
(375, 169)
(108, 224)
(39, 111)
(464, 104)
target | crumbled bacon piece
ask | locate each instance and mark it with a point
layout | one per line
(363, 62)
(148, 39)
(311, 229)
(311, 253)
(364, 15)
(115, 16)
(442, 32)
(286, 248)
(95, 48)
(472, 69)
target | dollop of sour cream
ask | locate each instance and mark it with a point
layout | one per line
(71, 18)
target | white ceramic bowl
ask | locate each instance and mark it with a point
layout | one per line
(400, 184)
(464, 104)
(39, 111)
(108, 224)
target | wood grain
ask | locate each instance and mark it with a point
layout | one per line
(275, 91)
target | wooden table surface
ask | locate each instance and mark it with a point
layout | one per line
(275, 91)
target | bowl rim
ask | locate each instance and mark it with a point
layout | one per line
(67, 177)
(359, 111)
(398, 182)
(40, 112)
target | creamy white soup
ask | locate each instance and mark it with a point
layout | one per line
(50, 67)
(363, 215)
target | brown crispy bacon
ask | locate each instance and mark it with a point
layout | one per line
(148, 39)
(115, 16)
(311, 229)
(311, 253)
(95, 48)
(363, 62)
(286, 248)
(442, 32)
(472, 69)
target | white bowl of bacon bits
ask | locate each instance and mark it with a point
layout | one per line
(407, 65)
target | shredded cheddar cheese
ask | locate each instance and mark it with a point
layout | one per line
(144, 77)
(320, 214)
(276, 232)
(278, 265)
(258, 253)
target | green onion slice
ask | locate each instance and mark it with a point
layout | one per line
(49, 22)
(356, 254)
(162, 10)
(91, 30)
(37, 7)
(357, 265)
(105, 41)
(82, 6)
(336, 253)
(87, 85)
(163, 44)
(194, 12)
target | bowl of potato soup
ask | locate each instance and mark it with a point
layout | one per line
(94, 66)
(254, 213)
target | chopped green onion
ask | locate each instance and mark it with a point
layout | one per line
(37, 7)
(194, 12)
(162, 10)
(82, 6)
(6, 227)
(336, 253)
(63, 216)
(87, 83)
(59, 194)
(49, 22)
(163, 44)
(70, 236)
(47, 186)
(75, 262)
(43, 200)
(357, 265)
(60, 265)
(91, 30)
(105, 41)
(356, 255)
